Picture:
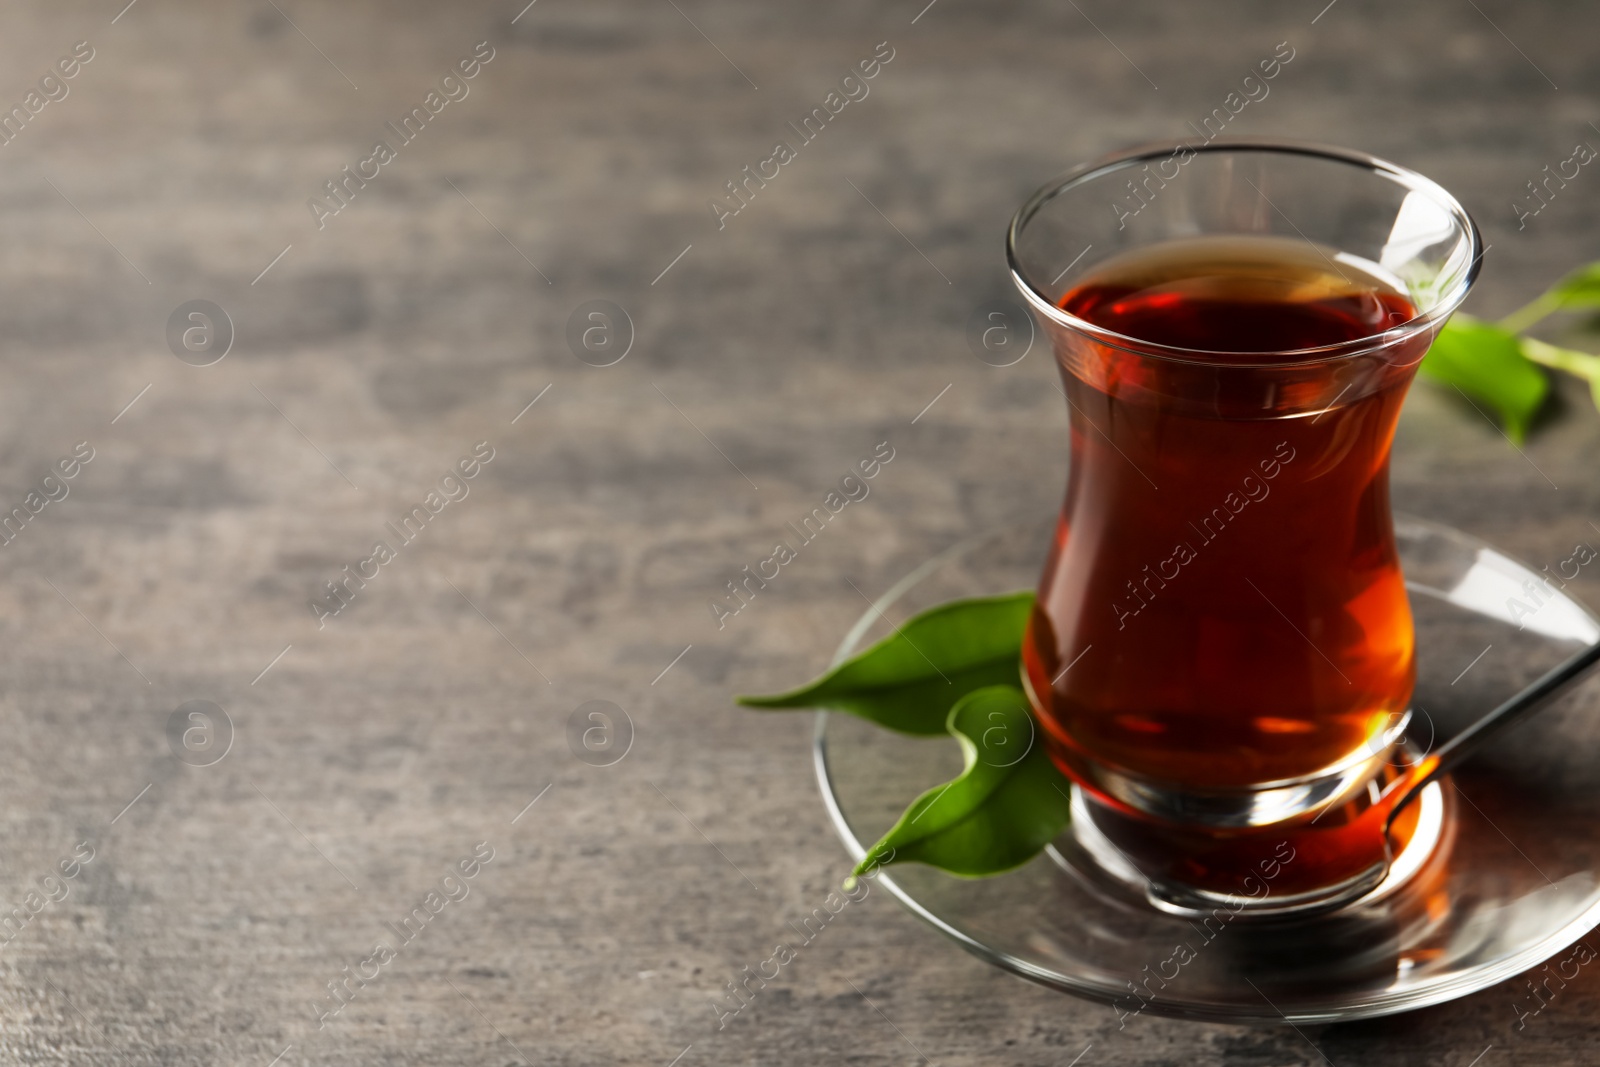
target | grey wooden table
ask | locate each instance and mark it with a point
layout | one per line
(349, 765)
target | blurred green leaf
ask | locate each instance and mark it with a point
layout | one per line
(911, 679)
(1007, 804)
(1487, 364)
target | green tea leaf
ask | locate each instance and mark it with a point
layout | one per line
(1487, 364)
(1007, 804)
(910, 680)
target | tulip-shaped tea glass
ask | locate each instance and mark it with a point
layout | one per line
(1221, 656)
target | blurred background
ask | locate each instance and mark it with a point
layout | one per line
(348, 361)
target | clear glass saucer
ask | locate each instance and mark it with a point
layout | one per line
(1512, 884)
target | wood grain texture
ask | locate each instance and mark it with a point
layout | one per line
(381, 748)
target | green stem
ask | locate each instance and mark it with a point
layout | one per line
(1584, 365)
(1531, 312)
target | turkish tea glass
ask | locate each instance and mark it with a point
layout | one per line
(1221, 653)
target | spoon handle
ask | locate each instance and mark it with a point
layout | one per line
(1524, 704)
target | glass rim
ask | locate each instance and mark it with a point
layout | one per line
(1430, 320)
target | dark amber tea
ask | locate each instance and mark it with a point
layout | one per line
(1223, 609)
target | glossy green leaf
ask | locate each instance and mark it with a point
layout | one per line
(1007, 804)
(911, 679)
(1487, 364)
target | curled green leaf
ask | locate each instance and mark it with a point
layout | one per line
(910, 680)
(1007, 805)
(1487, 364)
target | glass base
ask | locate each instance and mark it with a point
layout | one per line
(1263, 806)
(1484, 889)
(1088, 851)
